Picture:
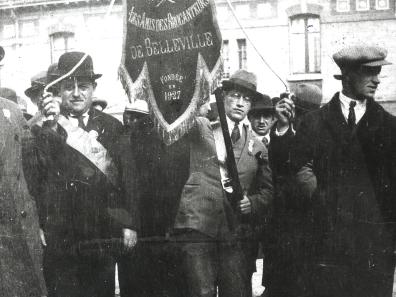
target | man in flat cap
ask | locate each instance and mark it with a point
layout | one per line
(350, 143)
(215, 257)
(81, 208)
(20, 253)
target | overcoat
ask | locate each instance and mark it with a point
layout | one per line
(77, 202)
(351, 238)
(20, 249)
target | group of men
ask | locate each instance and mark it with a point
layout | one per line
(319, 188)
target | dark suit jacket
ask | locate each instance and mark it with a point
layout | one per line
(77, 202)
(20, 251)
(354, 207)
(203, 206)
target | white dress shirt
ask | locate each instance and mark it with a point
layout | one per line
(360, 107)
(74, 119)
(231, 124)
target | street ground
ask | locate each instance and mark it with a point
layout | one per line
(258, 289)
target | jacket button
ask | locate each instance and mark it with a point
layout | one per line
(23, 214)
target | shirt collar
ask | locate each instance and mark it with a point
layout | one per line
(84, 115)
(245, 122)
(345, 101)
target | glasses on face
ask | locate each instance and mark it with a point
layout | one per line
(236, 95)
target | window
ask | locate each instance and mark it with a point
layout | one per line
(362, 5)
(343, 5)
(242, 56)
(222, 12)
(28, 28)
(226, 58)
(381, 4)
(305, 44)
(243, 11)
(9, 31)
(264, 10)
(61, 42)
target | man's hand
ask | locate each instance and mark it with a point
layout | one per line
(129, 238)
(284, 112)
(245, 206)
(42, 237)
(50, 106)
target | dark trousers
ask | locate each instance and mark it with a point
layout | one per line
(215, 265)
(78, 276)
(151, 270)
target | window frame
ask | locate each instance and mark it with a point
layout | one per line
(242, 53)
(307, 58)
(360, 9)
(66, 36)
(378, 8)
(338, 6)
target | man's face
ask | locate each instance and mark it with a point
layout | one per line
(76, 94)
(237, 104)
(363, 82)
(261, 122)
(130, 119)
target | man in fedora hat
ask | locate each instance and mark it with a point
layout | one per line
(350, 143)
(214, 255)
(20, 252)
(38, 82)
(81, 206)
(261, 117)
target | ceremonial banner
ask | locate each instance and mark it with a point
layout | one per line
(171, 59)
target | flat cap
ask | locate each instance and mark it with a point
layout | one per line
(361, 55)
(308, 97)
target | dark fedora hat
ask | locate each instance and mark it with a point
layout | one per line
(67, 62)
(41, 79)
(263, 103)
(2, 53)
(242, 80)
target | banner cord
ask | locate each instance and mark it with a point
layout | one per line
(253, 45)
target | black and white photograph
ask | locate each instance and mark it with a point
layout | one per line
(197, 148)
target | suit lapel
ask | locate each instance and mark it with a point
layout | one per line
(94, 122)
(248, 135)
(335, 120)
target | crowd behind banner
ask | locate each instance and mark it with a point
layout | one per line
(81, 192)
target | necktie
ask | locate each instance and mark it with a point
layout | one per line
(265, 141)
(80, 120)
(351, 115)
(235, 134)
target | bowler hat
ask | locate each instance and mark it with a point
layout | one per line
(360, 55)
(138, 106)
(308, 97)
(101, 102)
(263, 104)
(69, 60)
(244, 80)
(2, 53)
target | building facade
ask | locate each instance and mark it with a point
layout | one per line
(296, 38)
